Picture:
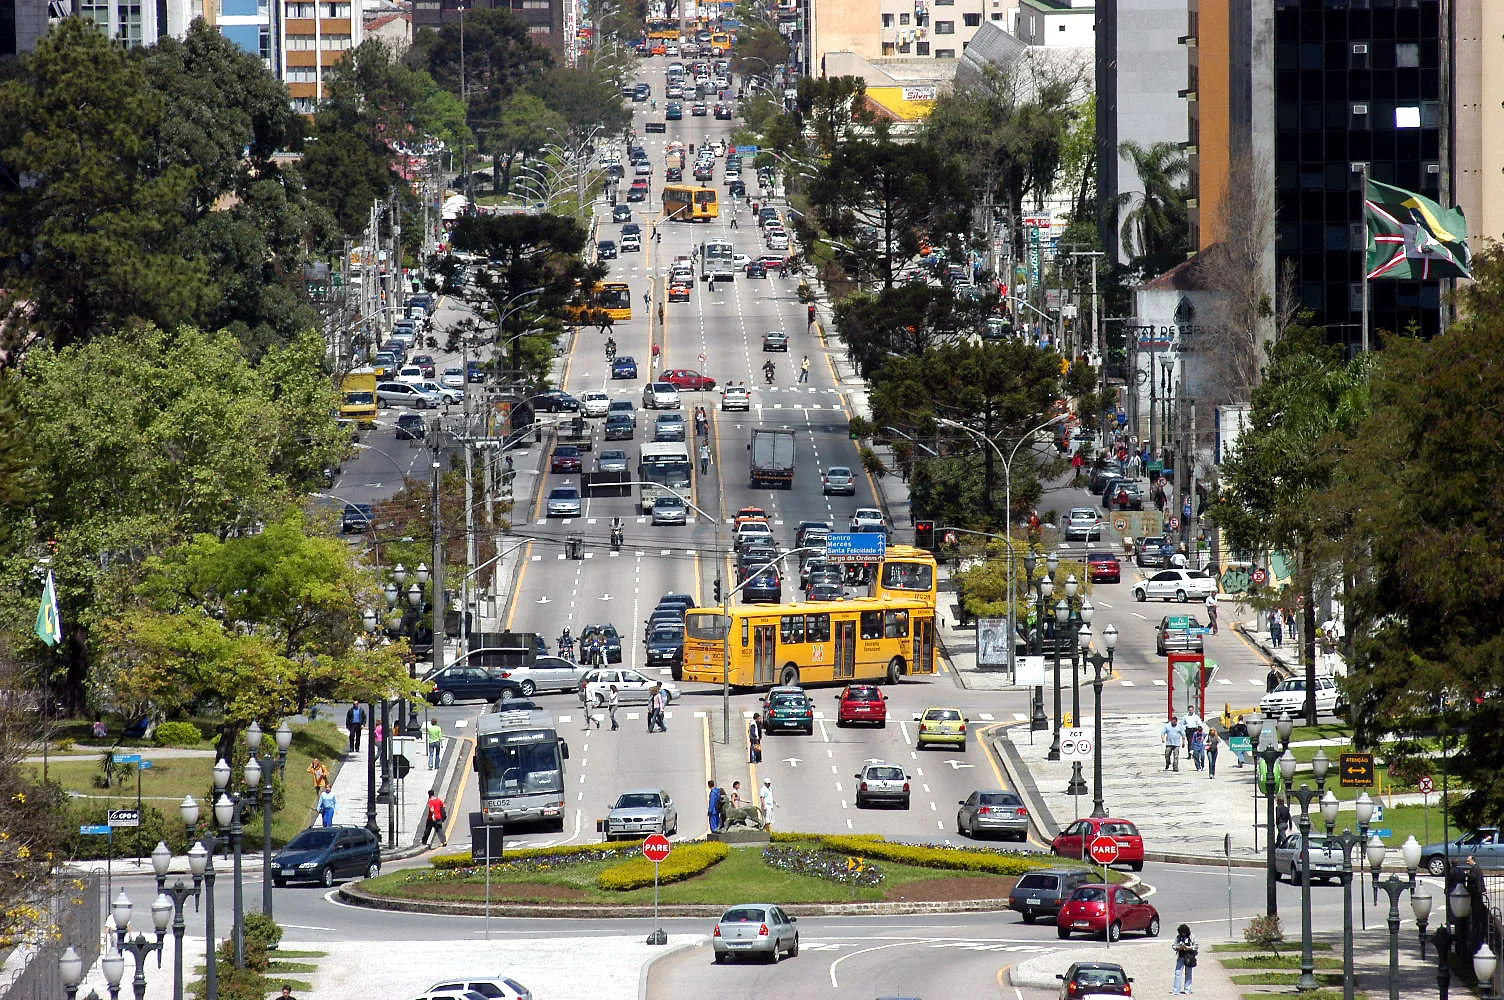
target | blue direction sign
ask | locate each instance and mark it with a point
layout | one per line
(144, 765)
(866, 546)
(125, 758)
(94, 830)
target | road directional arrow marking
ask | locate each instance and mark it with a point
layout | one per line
(956, 765)
(604, 597)
(543, 599)
(791, 761)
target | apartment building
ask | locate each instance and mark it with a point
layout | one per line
(900, 29)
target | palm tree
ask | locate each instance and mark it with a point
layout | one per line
(1156, 228)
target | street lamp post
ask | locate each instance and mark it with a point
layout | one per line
(1068, 621)
(1393, 887)
(1350, 842)
(228, 812)
(1459, 907)
(1044, 587)
(1082, 634)
(1100, 664)
(177, 895)
(372, 622)
(267, 765)
(1269, 755)
(113, 964)
(1306, 795)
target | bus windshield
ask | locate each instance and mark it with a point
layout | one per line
(615, 296)
(908, 576)
(520, 768)
(671, 470)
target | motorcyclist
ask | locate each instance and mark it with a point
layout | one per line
(616, 534)
(611, 348)
(566, 644)
(767, 371)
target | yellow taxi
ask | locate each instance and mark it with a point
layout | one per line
(941, 726)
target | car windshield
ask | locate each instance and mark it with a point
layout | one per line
(863, 694)
(565, 493)
(1039, 882)
(942, 715)
(639, 800)
(1119, 828)
(1100, 977)
(666, 635)
(312, 840)
(884, 774)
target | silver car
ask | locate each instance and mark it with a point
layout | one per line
(993, 812)
(760, 929)
(564, 501)
(546, 673)
(614, 460)
(640, 812)
(1083, 523)
(669, 510)
(880, 782)
(839, 480)
(1326, 859)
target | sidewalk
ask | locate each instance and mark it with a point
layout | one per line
(402, 822)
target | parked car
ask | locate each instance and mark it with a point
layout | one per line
(1325, 859)
(1094, 979)
(760, 929)
(324, 854)
(1179, 585)
(861, 702)
(640, 812)
(1108, 910)
(545, 673)
(490, 988)
(1103, 567)
(1485, 844)
(881, 782)
(993, 812)
(1042, 892)
(1073, 841)
(1289, 695)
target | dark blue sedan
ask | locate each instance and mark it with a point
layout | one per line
(624, 367)
(603, 638)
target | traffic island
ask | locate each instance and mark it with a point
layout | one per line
(808, 874)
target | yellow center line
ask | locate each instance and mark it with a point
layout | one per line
(985, 734)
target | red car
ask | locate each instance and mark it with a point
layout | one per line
(1108, 910)
(688, 380)
(862, 703)
(772, 262)
(678, 292)
(566, 458)
(1075, 839)
(1103, 567)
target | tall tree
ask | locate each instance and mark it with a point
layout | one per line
(584, 100)
(1156, 226)
(906, 320)
(832, 110)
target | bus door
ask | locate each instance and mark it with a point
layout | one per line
(764, 653)
(845, 662)
(924, 646)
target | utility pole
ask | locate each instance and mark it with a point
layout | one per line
(395, 290)
(437, 576)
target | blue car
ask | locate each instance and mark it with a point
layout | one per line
(603, 637)
(624, 367)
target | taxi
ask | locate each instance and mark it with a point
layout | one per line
(941, 726)
(679, 291)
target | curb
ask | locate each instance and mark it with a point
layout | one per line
(1013, 766)
(647, 967)
(352, 894)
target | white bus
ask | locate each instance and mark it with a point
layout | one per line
(520, 757)
(663, 463)
(716, 260)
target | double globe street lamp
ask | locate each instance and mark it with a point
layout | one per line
(1102, 665)
(1394, 886)
(1039, 600)
(264, 766)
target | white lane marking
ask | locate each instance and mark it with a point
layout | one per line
(985, 716)
(1127, 684)
(919, 771)
(825, 733)
(926, 788)
(461, 723)
(1139, 616)
(904, 727)
(1159, 683)
(932, 807)
(839, 788)
(865, 951)
(1019, 717)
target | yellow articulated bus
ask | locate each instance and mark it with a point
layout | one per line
(689, 203)
(881, 637)
(614, 298)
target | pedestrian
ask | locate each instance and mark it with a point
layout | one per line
(1239, 730)
(1213, 744)
(713, 806)
(1172, 735)
(754, 739)
(1211, 612)
(320, 772)
(768, 805)
(704, 459)
(1271, 679)
(433, 821)
(1282, 818)
(1178, 560)
(1327, 637)
(1292, 627)
(736, 795)
(804, 369)
(1276, 627)
(1185, 959)
(647, 298)
(1196, 739)
(286, 992)
(355, 721)
(377, 737)
(327, 802)
(733, 222)
(612, 700)
(585, 703)
(655, 713)
(435, 734)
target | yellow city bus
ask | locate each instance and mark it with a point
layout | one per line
(813, 642)
(689, 202)
(614, 298)
(720, 42)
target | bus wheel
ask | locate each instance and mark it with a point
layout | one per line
(789, 675)
(895, 670)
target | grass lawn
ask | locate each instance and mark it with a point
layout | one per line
(1287, 979)
(1284, 960)
(743, 875)
(169, 779)
(1235, 947)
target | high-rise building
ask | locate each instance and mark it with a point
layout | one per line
(310, 36)
(22, 22)
(899, 29)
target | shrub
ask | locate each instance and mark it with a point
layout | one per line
(989, 862)
(66, 744)
(465, 859)
(1264, 931)
(176, 734)
(687, 861)
(843, 869)
(259, 927)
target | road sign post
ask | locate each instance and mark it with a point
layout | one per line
(856, 546)
(1427, 786)
(656, 849)
(1104, 851)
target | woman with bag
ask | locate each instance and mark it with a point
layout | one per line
(1185, 959)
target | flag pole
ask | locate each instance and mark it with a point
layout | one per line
(1363, 209)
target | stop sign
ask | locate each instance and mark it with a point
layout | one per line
(1103, 850)
(656, 847)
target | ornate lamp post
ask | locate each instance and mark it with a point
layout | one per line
(1393, 887)
(1485, 964)
(177, 895)
(1100, 664)
(228, 812)
(1349, 842)
(1044, 587)
(113, 964)
(1306, 795)
(1082, 639)
(1067, 622)
(264, 767)
(1269, 754)
(372, 621)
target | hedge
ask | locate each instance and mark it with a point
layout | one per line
(465, 859)
(687, 861)
(957, 859)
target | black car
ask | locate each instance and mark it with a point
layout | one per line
(631, 229)
(683, 601)
(606, 249)
(756, 270)
(1042, 893)
(674, 175)
(620, 427)
(666, 647)
(357, 517)
(621, 213)
(467, 682)
(410, 427)
(764, 588)
(603, 637)
(323, 854)
(1094, 979)
(556, 401)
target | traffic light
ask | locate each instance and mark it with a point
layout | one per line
(718, 590)
(924, 534)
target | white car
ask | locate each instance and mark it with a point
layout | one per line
(631, 243)
(454, 378)
(740, 261)
(1290, 696)
(1175, 585)
(660, 396)
(1083, 523)
(736, 397)
(412, 375)
(866, 517)
(594, 404)
(491, 987)
(631, 686)
(752, 531)
(443, 392)
(778, 241)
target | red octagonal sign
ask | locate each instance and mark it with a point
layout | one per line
(1103, 850)
(656, 847)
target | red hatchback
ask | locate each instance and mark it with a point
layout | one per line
(566, 458)
(1103, 567)
(1108, 910)
(690, 381)
(862, 703)
(1074, 840)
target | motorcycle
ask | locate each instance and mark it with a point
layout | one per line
(616, 539)
(767, 372)
(611, 352)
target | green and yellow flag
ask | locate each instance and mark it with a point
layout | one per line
(1410, 236)
(49, 625)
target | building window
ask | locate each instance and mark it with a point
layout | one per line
(300, 10)
(997, 16)
(887, 20)
(972, 20)
(903, 19)
(338, 11)
(945, 27)
(945, 53)
(335, 43)
(1407, 55)
(1407, 116)
(922, 48)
